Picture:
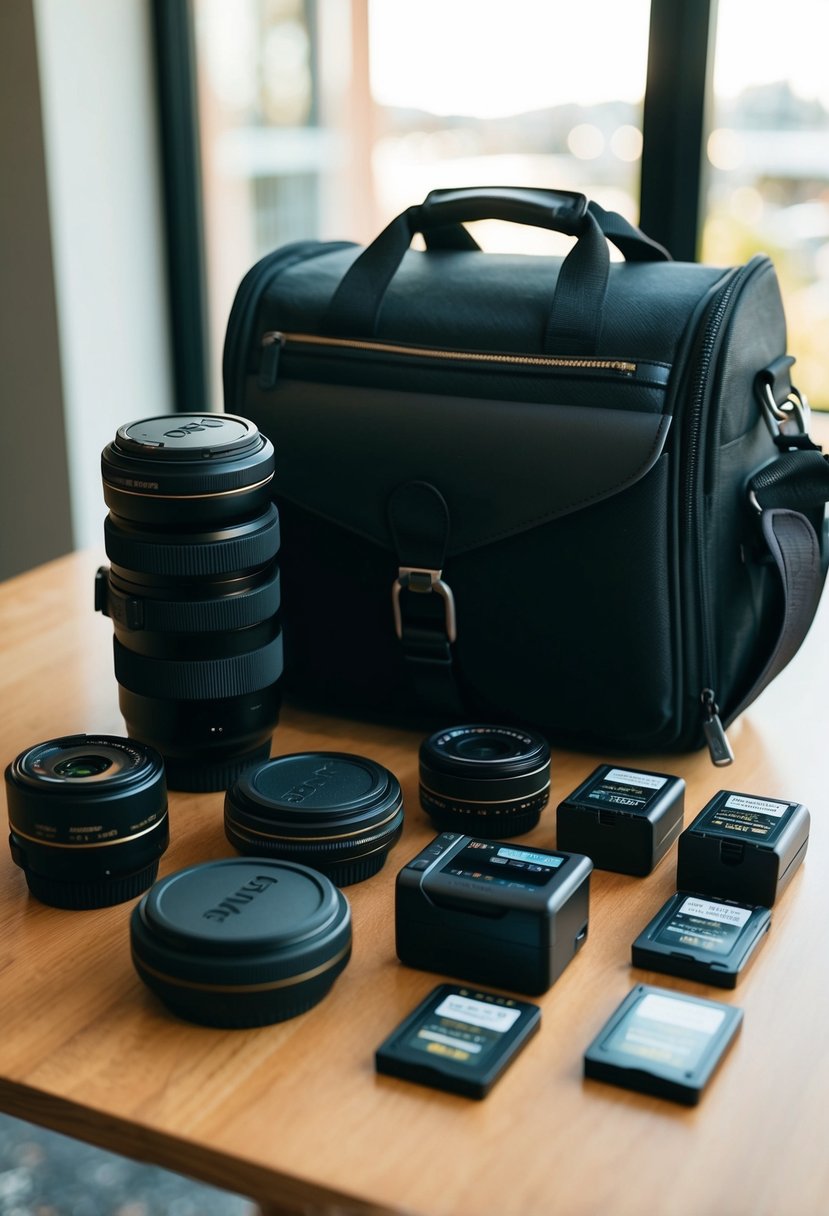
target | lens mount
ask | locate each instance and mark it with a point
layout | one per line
(87, 818)
(484, 780)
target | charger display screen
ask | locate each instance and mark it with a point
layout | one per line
(501, 865)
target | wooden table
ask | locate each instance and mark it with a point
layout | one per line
(294, 1114)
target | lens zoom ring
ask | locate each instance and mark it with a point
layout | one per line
(199, 679)
(198, 557)
(200, 616)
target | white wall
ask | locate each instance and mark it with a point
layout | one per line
(102, 163)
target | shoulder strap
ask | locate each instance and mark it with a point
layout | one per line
(797, 548)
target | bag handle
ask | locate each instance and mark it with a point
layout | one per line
(574, 322)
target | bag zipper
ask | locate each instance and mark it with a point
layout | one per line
(719, 748)
(245, 303)
(275, 341)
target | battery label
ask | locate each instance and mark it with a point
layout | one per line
(747, 818)
(648, 780)
(462, 1029)
(624, 789)
(666, 1031)
(700, 924)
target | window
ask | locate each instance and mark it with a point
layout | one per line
(325, 118)
(768, 163)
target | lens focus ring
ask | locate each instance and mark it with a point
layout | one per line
(237, 611)
(194, 558)
(199, 679)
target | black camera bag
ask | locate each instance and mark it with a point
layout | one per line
(574, 493)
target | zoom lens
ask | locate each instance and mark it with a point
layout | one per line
(87, 819)
(193, 591)
(491, 781)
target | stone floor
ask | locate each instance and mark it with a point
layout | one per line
(44, 1174)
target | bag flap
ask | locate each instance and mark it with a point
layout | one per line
(502, 466)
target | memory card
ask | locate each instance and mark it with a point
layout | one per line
(699, 938)
(663, 1043)
(459, 1039)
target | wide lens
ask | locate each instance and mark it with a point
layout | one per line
(87, 819)
(193, 591)
(491, 781)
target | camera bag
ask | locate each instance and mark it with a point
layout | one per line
(576, 493)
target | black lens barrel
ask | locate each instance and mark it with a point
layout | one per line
(193, 591)
(491, 781)
(87, 819)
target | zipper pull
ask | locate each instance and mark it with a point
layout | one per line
(272, 343)
(714, 731)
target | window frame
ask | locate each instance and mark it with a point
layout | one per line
(678, 84)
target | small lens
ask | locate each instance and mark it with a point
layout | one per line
(486, 748)
(491, 781)
(87, 843)
(83, 766)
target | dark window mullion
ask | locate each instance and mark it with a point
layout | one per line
(680, 65)
(175, 59)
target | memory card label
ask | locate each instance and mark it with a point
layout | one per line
(663, 1030)
(701, 924)
(479, 1013)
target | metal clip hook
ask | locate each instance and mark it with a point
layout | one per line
(423, 581)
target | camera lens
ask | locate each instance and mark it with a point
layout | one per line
(193, 591)
(334, 811)
(88, 819)
(491, 781)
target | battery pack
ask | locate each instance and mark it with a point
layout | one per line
(743, 847)
(622, 819)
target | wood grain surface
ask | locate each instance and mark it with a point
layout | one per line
(295, 1115)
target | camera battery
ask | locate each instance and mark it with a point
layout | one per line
(623, 819)
(458, 1039)
(702, 939)
(492, 913)
(743, 847)
(663, 1043)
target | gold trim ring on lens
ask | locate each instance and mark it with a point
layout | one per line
(257, 485)
(95, 844)
(267, 986)
(234, 823)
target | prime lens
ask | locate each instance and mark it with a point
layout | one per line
(87, 819)
(193, 591)
(491, 781)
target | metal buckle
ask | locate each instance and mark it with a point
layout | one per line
(423, 581)
(794, 407)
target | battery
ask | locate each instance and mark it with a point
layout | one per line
(459, 1039)
(743, 847)
(663, 1043)
(702, 939)
(622, 819)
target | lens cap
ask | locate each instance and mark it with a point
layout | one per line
(239, 942)
(338, 812)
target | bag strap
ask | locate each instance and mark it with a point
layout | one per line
(423, 604)
(800, 479)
